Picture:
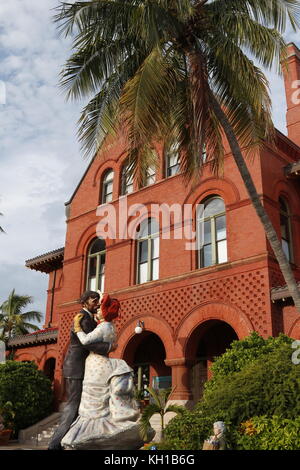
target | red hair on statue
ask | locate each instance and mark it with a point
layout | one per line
(109, 307)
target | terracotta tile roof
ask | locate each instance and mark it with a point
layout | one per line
(48, 335)
(47, 262)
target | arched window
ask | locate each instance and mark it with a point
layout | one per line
(148, 251)
(96, 265)
(285, 229)
(107, 187)
(127, 179)
(211, 223)
(172, 161)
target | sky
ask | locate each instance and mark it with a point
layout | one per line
(40, 157)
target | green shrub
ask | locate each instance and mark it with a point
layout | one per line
(269, 386)
(264, 433)
(260, 379)
(29, 391)
(243, 353)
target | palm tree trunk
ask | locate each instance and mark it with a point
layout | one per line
(269, 229)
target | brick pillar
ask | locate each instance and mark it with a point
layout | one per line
(180, 379)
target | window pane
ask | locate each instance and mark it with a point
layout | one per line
(108, 197)
(284, 227)
(282, 205)
(143, 251)
(98, 245)
(214, 206)
(129, 188)
(153, 226)
(92, 284)
(221, 227)
(101, 283)
(108, 176)
(150, 176)
(127, 180)
(102, 264)
(173, 170)
(285, 247)
(143, 271)
(173, 159)
(207, 232)
(155, 268)
(222, 251)
(155, 247)
(93, 266)
(207, 255)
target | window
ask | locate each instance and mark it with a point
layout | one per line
(127, 179)
(107, 187)
(150, 176)
(148, 251)
(285, 229)
(172, 161)
(213, 248)
(96, 265)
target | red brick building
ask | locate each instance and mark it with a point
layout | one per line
(192, 303)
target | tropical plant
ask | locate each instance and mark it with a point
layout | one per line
(28, 390)
(264, 382)
(242, 353)
(15, 322)
(159, 405)
(175, 71)
(7, 415)
(265, 433)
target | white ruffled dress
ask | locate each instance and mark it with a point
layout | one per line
(108, 414)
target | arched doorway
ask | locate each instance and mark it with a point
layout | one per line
(146, 354)
(208, 341)
(49, 368)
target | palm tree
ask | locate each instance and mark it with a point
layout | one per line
(1, 229)
(176, 71)
(13, 321)
(159, 406)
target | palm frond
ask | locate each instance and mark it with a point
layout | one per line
(1, 229)
(143, 105)
(147, 414)
(176, 409)
(275, 13)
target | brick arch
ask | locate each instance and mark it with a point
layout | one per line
(49, 354)
(282, 188)
(86, 237)
(211, 311)
(101, 169)
(220, 186)
(154, 325)
(295, 330)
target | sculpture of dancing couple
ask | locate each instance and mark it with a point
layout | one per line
(101, 412)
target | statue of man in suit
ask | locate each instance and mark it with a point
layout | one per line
(74, 364)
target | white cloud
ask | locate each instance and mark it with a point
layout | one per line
(40, 159)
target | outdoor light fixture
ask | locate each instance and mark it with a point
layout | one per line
(139, 327)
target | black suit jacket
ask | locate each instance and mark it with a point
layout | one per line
(74, 363)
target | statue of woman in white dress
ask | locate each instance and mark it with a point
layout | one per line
(108, 416)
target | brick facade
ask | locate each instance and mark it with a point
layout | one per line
(190, 314)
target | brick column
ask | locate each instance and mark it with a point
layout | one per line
(180, 379)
